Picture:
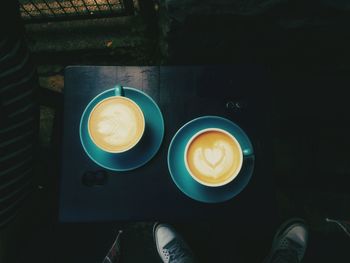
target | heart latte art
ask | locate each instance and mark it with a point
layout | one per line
(213, 157)
(213, 162)
(116, 124)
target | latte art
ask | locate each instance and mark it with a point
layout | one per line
(213, 162)
(116, 124)
(213, 157)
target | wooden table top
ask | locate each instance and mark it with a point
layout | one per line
(236, 92)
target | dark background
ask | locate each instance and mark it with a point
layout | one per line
(304, 46)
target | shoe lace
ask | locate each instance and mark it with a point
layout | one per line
(288, 252)
(176, 252)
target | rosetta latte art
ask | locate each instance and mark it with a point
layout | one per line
(215, 161)
(117, 125)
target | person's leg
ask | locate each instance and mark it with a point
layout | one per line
(170, 245)
(113, 255)
(289, 243)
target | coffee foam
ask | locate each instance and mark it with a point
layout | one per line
(213, 157)
(116, 124)
(215, 161)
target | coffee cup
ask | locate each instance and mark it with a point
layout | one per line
(116, 124)
(213, 157)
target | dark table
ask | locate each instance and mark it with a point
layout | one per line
(237, 92)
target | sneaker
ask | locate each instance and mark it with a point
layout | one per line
(170, 245)
(289, 243)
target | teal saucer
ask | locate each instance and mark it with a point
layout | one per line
(183, 179)
(145, 149)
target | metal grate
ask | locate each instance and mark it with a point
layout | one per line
(44, 10)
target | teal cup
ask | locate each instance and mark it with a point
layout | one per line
(187, 182)
(142, 149)
(116, 124)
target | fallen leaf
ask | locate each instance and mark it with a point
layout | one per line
(109, 43)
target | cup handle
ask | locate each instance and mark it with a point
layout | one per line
(247, 152)
(118, 90)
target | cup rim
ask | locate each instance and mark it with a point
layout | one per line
(143, 123)
(233, 176)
